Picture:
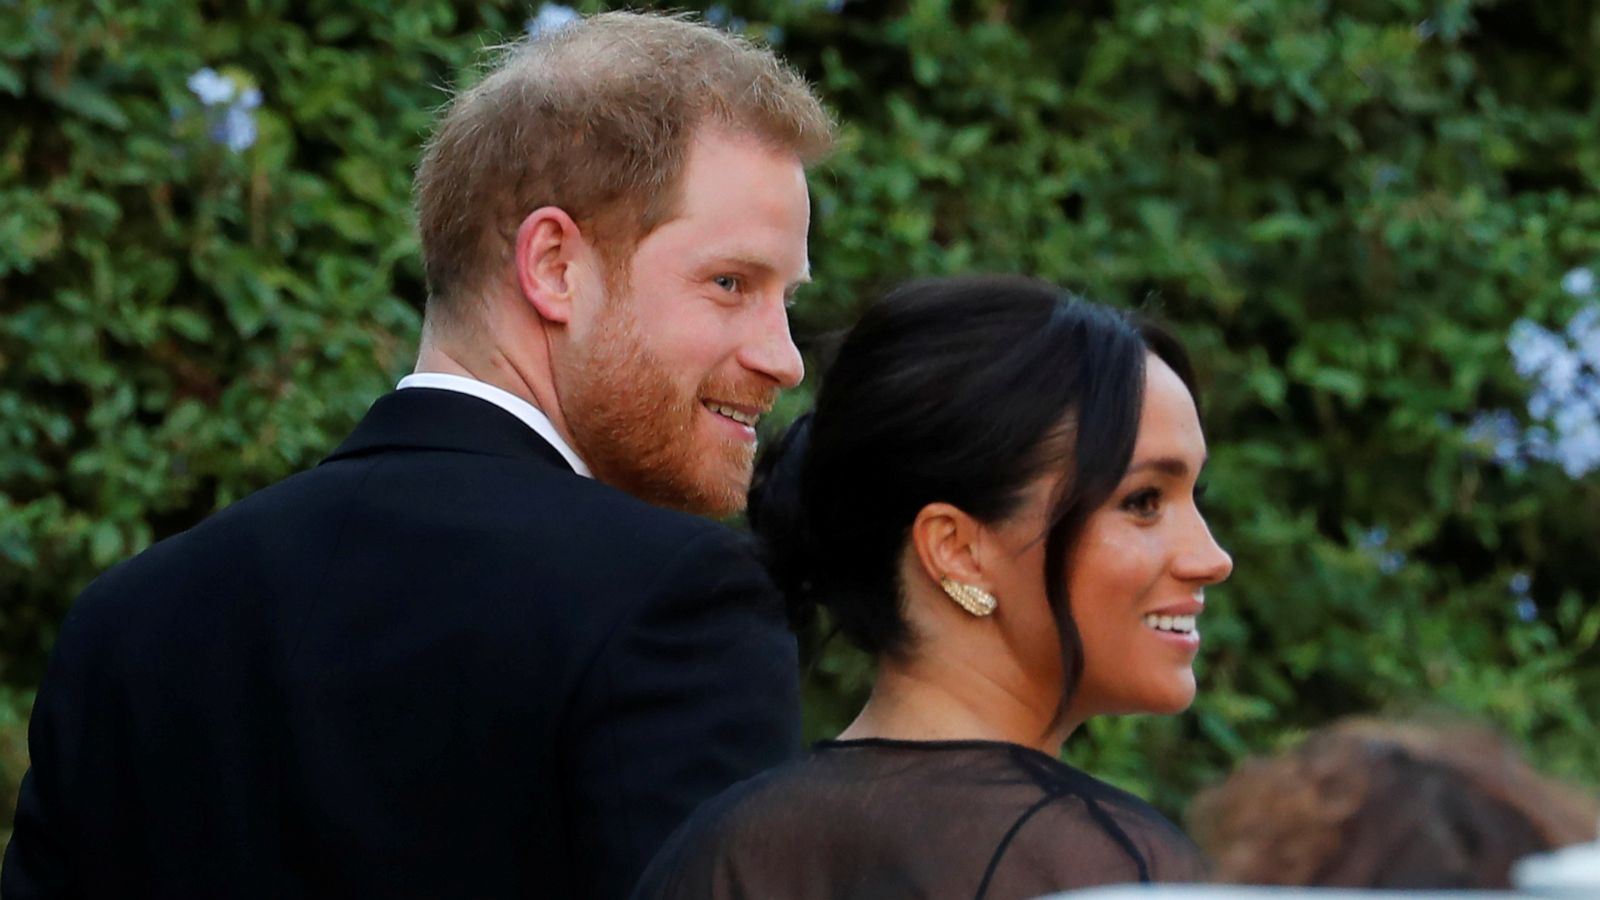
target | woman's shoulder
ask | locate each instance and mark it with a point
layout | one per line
(1168, 853)
(735, 831)
(923, 814)
(1001, 787)
(752, 797)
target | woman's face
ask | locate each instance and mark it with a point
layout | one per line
(1138, 574)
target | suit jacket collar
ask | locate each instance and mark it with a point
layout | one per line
(431, 419)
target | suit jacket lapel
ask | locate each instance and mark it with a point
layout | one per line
(430, 419)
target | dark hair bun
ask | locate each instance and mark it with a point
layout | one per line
(777, 515)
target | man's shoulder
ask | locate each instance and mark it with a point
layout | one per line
(554, 507)
(552, 534)
(665, 553)
(209, 554)
(613, 504)
(526, 532)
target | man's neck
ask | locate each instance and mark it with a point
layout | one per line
(431, 358)
(501, 371)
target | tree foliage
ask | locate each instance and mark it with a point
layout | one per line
(1344, 208)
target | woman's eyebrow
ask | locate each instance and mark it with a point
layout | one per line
(1167, 465)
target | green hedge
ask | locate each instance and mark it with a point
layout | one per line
(1345, 209)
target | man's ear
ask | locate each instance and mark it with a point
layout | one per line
(549, 251)
(947, 542)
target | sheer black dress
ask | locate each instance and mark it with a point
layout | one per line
(885, 819)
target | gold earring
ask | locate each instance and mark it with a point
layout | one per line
(973, 599)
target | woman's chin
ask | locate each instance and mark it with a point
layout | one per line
(1166, 699)
(1176, 707)
(1172, 698)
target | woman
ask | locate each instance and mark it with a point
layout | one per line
(995, 497)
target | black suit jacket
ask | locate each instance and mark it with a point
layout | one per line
(440, 664)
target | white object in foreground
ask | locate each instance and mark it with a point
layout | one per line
(1230, 891)
(1569, 872)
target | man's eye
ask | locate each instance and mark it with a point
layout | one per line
(728, 283)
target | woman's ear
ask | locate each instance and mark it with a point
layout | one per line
(550, 250)
(948, 544)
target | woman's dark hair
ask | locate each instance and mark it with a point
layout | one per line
(961, 391)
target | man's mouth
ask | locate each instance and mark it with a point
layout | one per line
(745, 417)
(1175, 624)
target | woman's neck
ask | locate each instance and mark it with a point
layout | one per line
(944, 700)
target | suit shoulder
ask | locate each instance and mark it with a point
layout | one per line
(218, 550)
(604, 512)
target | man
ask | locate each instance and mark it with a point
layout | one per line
(448, 662)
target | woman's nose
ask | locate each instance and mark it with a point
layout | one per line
(1205, 561)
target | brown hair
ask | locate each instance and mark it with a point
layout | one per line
(595, 118)
(1365, 803)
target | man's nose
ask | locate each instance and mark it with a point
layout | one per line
(770, 349)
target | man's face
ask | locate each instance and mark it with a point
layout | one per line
(669, 373)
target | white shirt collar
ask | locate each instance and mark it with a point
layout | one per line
(511, 403)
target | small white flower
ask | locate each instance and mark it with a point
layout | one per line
(1584, 332)
(238, 129)
(551, 17)
(1541, 404)
(1579, 282)
(1527, 610)
(1561, 375)
(1374, 542)
(211, 87)
(1533, 347)
(1499, 433)
(1577, 443)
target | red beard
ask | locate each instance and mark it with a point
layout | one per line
(640, 431)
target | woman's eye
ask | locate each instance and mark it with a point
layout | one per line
(729, 283)
(1144, 503)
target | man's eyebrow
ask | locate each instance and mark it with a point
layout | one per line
(742, 260)
(756, 263)
(1167, 465)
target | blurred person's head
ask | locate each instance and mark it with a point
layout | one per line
(612, 222)
(998, 434)
(1372, 804)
